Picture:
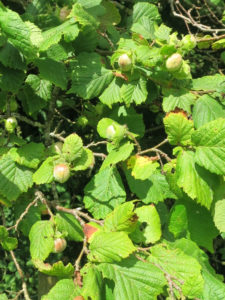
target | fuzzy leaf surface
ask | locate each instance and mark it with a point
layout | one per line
(134, 279)
(104, 192)
(110, 247)
(210, 146)
(14, 179)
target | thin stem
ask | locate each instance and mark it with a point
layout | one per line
(24, 286)
(24, 214)
(83, 250)
(154, 149)
(41, 196)
(73, 212)
(78, 214)
(102, 155)
(135, 141)
(50, 116)
(57, 136)
(93, 144)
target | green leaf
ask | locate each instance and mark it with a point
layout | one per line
(87, 40)
(163, 33)
(53, 71)
(41, 239)
(152, 190)
(195, 180)
(118, 154)
(11, 57)
(82, 16)
(104, 192)
(9, 243)
(57, 269)
(14, 179)
(208, 83)
(16, 31)
(72, 147)
(28, 155)
(142, 166)
(214, 287)
(177, 98)
(144, 9)
(35, 34)
(111, 15)
(179, 265)
(54, 35)
(59, 52)
(111, 94)
(35, 94)
(128, 116)
(110, 247)
(88, 3)
(134, 279)
(178, 223)
(199, 221)
(3, 233)
(89, 77)
(42, 88)
(151, 233)
(32, 216)
(68, 223)
(116, 133)
(219, 215)
(206, 109)
(45, 172)
(10, 79)
(134, 91)
(178, 128)
(145, 27)
(92, 282)
(64, 289)
(210, 146)
(122, 218)
(3, 297)
(85, 161)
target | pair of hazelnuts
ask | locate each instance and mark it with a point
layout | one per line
(173, 63)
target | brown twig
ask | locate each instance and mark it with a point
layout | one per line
(78, 215)
(215, 38)
(24, 214)
(135, 141)
(154, 128)
(63, 117)
(57, 136)
(24, 286)
(83, 250)
(18, 295)
(93, 144)
(102, 155)
(189, 19)
(155, 149)
(41, 196)
(212, 14)
(168, 276)
(24, 119)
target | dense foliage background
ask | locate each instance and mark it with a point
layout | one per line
(112, 149)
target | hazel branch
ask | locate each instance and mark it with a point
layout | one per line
(42, 198)
(135, 141)
(93, 144)
(78, 215)
(24, 286)
(24, 214)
